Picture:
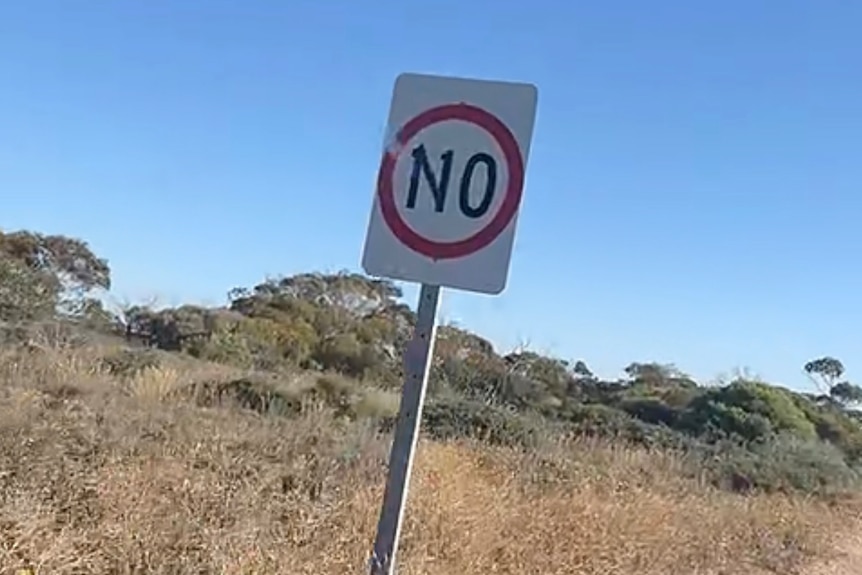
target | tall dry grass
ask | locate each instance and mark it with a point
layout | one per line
(100, 474)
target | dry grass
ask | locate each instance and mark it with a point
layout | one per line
(106, 475)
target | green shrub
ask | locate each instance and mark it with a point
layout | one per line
(449, 419)
(226, 347)
(598, 419)
(783, 463)
(680, 397)
(490, 380)
(714, 420)
(835, 425)
(346, 354)
(475, 378)
(746, 410)
(651, 410)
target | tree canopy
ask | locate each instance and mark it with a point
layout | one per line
(43, 274)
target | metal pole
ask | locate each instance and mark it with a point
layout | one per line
(417, 360)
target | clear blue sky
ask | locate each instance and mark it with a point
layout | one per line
(693, 195)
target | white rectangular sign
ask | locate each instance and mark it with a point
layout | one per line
(450, 182)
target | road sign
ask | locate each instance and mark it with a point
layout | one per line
(442, 128)
(450, 182)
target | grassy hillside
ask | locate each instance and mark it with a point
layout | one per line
(105, 473)
(252, 438)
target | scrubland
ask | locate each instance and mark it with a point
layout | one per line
(253, 438)
(109, 474)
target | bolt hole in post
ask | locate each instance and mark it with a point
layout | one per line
(467, 248)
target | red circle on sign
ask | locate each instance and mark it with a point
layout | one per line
(512, 198)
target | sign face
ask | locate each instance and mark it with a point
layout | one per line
(450, 182)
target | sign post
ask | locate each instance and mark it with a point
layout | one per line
(416, 362)
(444, 215)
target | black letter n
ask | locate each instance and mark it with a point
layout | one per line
(438, 189)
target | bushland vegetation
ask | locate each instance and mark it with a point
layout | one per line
(251, 438)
